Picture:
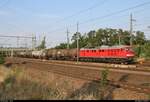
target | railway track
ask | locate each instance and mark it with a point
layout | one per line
(97, 81)
(129, 69)
(81, 72)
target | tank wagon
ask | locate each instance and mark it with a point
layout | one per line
(39, 54)
(25, 54)
(62, 54)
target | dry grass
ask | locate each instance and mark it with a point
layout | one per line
(3, 73)
(24, 84)
(18, 85)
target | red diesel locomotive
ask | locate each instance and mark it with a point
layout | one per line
(121, 54)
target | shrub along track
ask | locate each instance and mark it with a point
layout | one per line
(89, 73)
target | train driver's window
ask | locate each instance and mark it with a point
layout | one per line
(127, 49)
(130, 49)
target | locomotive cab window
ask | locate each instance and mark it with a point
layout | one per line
(93, 51)
(129, 49)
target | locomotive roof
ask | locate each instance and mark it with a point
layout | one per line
(107, 47)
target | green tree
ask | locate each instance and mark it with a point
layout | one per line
(113, 38)
(2, 60)
(61, 46)
(74, 40)
(126, 38)
(104, 82)
(90, 40)
(43, 44)
(99, 37)
(140, 38)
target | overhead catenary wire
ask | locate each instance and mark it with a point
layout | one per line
(116, 13)
(142, 24)
(118, 18)
(83, 11)
(14, 36)
(106, 16)
(145, 30)
(80, 12)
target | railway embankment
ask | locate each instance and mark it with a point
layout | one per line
(32, 83)
(60, 80)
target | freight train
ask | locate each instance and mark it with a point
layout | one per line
(115, 54)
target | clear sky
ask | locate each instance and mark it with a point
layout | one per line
(52, 17)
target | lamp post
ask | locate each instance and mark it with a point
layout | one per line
(77, 42)
(148, 27)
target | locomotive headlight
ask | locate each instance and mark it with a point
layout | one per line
(130, 55)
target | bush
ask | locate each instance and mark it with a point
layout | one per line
(142, 50)
(103, 82)
(2, 60)
(104, 76)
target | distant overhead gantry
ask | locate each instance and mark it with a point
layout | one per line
(33, 38)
